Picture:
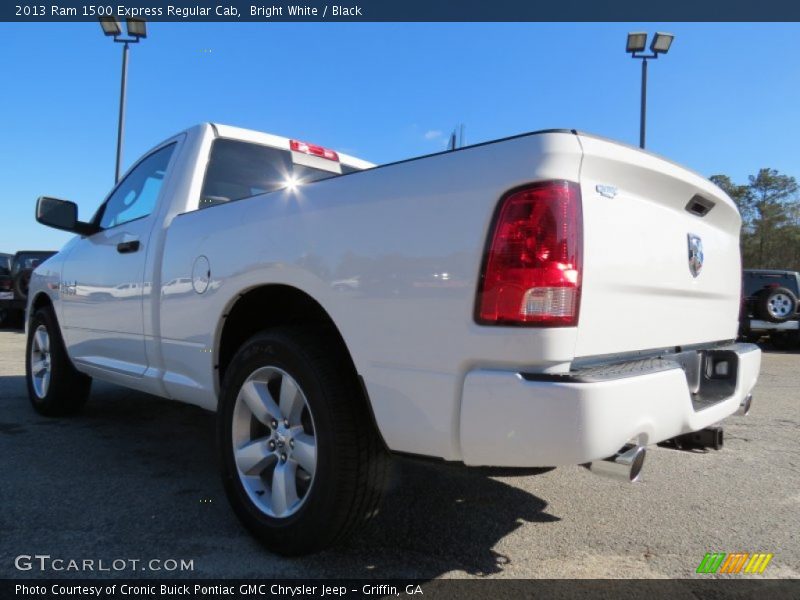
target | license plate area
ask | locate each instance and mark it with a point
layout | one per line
(711, 375)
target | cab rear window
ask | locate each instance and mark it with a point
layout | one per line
(238, 170)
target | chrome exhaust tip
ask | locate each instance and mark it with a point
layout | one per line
(625, 465)
(744, 407)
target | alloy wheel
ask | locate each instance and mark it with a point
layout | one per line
(40, 361)
(780, 305)
(274, 442)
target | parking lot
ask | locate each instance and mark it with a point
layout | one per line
(135, 477)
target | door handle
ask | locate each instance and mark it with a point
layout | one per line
(128, 247)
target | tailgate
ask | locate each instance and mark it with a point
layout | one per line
(641, 213)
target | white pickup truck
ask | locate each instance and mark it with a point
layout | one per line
(548, 299)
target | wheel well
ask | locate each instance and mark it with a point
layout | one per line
(275, 305)
(40, 301)
(270, 306)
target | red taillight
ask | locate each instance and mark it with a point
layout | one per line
(313, 149)
(532, 271)
(5, 284)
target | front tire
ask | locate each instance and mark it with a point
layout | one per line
(301, 461)
(55, 387)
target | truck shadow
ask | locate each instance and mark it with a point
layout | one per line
(438, 518)
(136, 475)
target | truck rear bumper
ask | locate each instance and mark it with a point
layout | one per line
(510, 419)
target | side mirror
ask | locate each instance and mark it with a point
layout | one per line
(62, 214)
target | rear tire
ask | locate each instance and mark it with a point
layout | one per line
(776, 305)
(55, 387)
(22, 283)
(331, 489)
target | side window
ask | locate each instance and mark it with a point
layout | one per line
(136, 196)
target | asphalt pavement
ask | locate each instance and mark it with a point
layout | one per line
(135, 478)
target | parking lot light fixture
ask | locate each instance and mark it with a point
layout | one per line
(635, 46)
(661, 43)
(137, 30)
(110, 26)
(636, 42)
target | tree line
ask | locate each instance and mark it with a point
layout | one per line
(770, 206)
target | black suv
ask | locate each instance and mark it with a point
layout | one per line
(15, 275)
(770, 306)
(6, 285)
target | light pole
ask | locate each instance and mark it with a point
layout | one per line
(136, 31)
(636, 44)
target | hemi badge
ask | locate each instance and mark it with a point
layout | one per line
(607, 191)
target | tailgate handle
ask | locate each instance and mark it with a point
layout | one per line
(699, 206)
(128, 247)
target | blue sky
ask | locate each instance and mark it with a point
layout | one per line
(725, 100)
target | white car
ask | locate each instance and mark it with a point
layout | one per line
(589, 310)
